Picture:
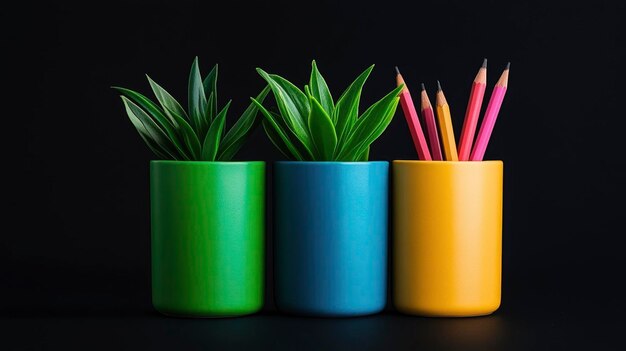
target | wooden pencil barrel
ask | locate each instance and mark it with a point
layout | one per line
(447, 240)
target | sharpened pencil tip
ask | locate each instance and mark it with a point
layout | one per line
(484, 65)
(508, 65)
(438, 86)
(397, 70)
(423, 87)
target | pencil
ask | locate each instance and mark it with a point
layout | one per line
(431, 126)
(473, 111)
(445, 126)
(491, 114)
(412, 120)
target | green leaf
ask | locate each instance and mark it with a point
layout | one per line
(370, 126)
(175, 111)
(210, 86)
(240, 131)
(197, 100)
(212, 140)
(279, 134)
(364, 156)
(145, 136)
(169, 125)
(166, 100)
(150, 130)
(189, 136)
(297, 143)
(293, 105)
(154, 148)
(347, 108)
(209, 102)
(320, 90)
(276, 139)
(322, 130)
(354, 151)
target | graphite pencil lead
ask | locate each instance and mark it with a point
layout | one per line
(423, 87)
(397, 70)
(484, 65)
(508, 65)
(438, 86)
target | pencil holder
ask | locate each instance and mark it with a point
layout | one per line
(447, 242)
(207, 237)
(330, 237)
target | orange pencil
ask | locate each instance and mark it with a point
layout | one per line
(445, 126)
(472, 112)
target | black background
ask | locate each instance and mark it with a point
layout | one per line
(74, 254)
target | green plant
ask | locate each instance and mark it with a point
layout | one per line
(196, 134)
(311, 126)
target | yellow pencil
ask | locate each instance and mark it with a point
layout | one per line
(445, 126)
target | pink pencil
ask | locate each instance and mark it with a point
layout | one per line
(431, 126)
(473, 110)
(491, 114)
(412, 120)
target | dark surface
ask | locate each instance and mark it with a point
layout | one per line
(74, 268)
(532, 326)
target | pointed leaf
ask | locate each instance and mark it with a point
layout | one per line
(353, 151)
(347, 108)
(240, 131)
(365, 144)
(145, 103)
(212, 140)
(276, 139)
(322, 131)
(197, 101)
(364, 155)
(320, 90)
(154, 147)
(297, 143)
(210, 86)
(166, 100)
(209, 102)
(370, 125)
(149, 129)
(293, 105)
(189, 137)
(145, 136)
(282, 136)
(168, 124)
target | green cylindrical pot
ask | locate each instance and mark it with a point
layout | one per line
(208, 222)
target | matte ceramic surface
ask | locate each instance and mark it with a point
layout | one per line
(207, 237)
(330, 237)
(447, 241)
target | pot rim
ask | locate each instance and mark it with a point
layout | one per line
(443, 163)
(186, 162)
(331, 162)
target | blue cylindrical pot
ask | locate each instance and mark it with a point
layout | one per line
(330, 230)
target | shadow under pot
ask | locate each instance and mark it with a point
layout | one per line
(207, 237)
(330, 229)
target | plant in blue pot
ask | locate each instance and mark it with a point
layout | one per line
(330, 201)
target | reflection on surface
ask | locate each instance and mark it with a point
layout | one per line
(477, 332)
(373, 332)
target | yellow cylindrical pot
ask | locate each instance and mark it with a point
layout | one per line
(447, 240)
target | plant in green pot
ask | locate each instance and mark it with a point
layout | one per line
(330, 201)
(207, 212)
